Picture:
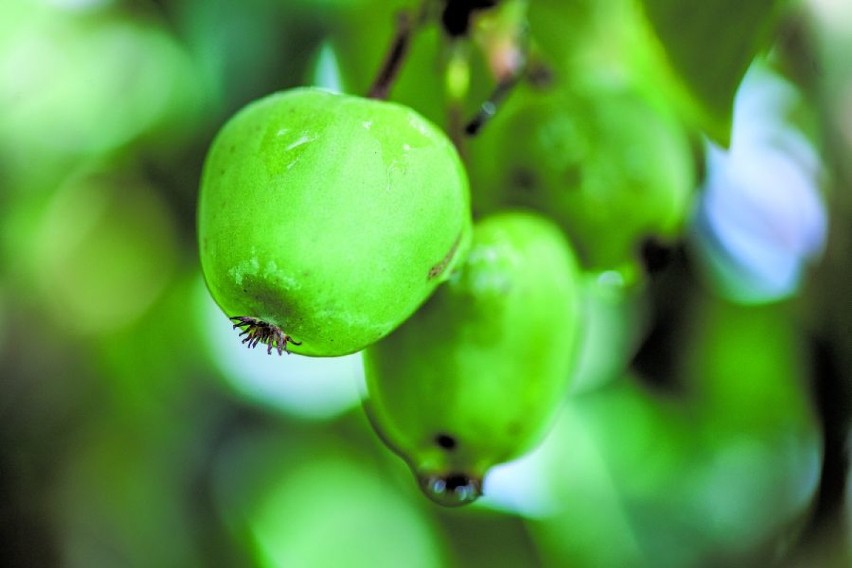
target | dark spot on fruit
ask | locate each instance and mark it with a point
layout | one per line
(514, 429)
(540, 76)
(523, 180)
(446, 441)
(442, 264)
(572, 178)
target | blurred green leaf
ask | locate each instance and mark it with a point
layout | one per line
(709, 46)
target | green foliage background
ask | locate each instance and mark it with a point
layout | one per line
(701, 432)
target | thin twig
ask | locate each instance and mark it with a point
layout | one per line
(407, 22)
(489, 108)
(504, 86)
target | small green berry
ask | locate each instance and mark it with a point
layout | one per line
(476, 376)
(325, 220)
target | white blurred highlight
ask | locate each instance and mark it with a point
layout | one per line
(521, 487)
(326, 72)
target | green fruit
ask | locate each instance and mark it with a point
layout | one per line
(610, 165)
(475, 377)
(325, 220)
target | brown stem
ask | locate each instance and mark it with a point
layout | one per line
(505, 84)
(393, 61)
(489, 108)
(456, 87)
(407, 22)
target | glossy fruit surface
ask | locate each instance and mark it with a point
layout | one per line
(325, 220)
(475, 377)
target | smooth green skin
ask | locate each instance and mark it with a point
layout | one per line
(487, 360)
(606, 163)
(327, 215)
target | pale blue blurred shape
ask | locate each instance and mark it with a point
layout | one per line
(326, 72)
(307, 387)
(520, 487)
(78, 4)
(761, 220)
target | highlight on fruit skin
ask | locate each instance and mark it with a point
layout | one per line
(476, 376)
(325, 220)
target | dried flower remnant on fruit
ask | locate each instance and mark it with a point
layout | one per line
(451, 490)
(258, 331)
(446, 442)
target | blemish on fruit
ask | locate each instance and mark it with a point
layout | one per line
(258, 331)
(445, 441)
(514, 429)
(523, 179)
(442, 264)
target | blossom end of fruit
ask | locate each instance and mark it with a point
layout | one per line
(258, 331)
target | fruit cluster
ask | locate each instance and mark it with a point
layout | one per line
(331, 224)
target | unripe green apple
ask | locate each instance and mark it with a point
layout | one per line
(611, 166)
(475, 377)
(325, 220)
